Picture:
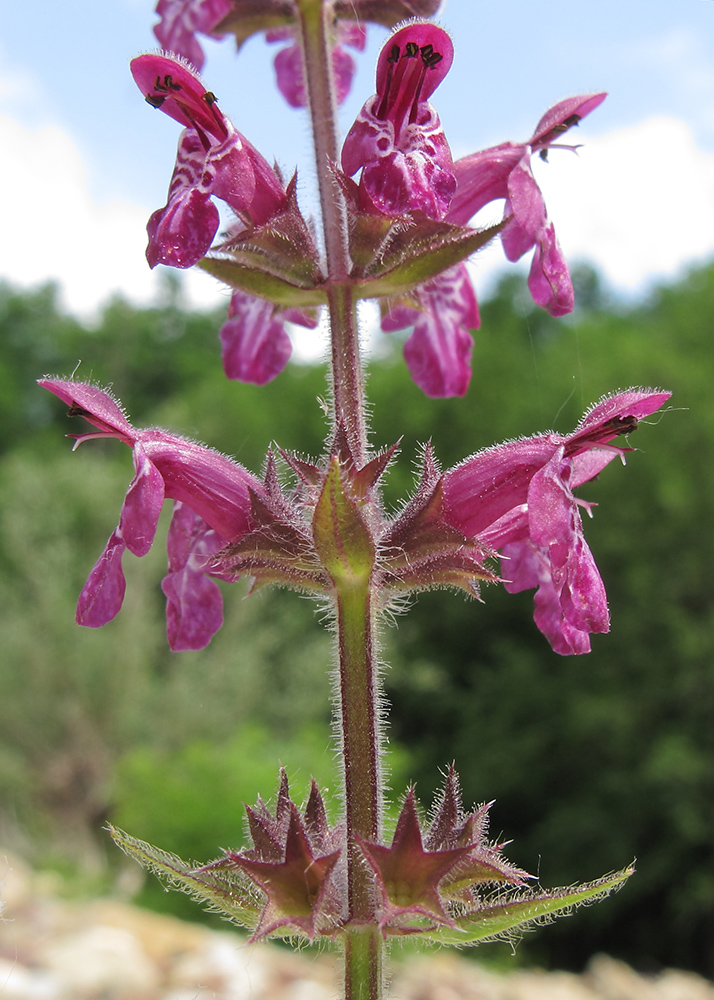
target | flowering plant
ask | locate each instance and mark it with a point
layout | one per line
(395, 228)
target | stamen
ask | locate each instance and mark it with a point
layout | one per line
(429, 57)
(392, 59)
(76, 410)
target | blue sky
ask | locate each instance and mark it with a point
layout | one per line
(89, 160)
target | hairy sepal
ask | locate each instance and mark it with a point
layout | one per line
(512, 914)
(229, 893)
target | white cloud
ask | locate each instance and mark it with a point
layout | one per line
(638, 203)
(53, 229)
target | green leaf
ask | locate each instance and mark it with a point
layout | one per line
(414, 256)
(252, 271)
(513, 913)
(226, 892)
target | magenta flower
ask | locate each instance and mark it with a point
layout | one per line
(505, 172)
(289, 68)
(181, 19)
(255, 346)
(518, 499)
(214, 504)
(397, 139)
(438, 353)
(213, 160)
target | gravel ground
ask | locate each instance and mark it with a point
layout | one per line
(51, 949)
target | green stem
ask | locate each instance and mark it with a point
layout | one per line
(315, 19)
(358, 690)
(363, 793)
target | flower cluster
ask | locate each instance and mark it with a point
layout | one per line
(515, 499)
(407, 178)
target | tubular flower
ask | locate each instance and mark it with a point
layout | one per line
(518, 499)
(438, 353)
(289, 69)
(397, 138)
(255, 346)
(213, 160)
(213, 508)
(182, 19)
(505, 172)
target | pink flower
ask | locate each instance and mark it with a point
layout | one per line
(181, 19)
(213, 160)
(214, 503)
(289, 69)
(518, 499)
(438, 353)
(255, 346)
(397, 138)
(505, 172)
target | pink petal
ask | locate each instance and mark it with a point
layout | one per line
(103, 593)
(637, 403)
(181, 19)
(169, 84)
(255, 346)
(181, 233)
(438, 353)
(194, 603)
(343, 68)
(399, 81)
(549, 279)
(526, 203)
(290, 77)
(486, 486)
(142, 504)
(102, 410)
(558, 119)
(481, 178)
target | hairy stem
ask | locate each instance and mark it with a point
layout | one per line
(358, 694)
(359, 718)
(315, 18)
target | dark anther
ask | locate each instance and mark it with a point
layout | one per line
(155, 100)
(76, 410)
(166, 84)
(394, 54)
(411, 50)
(210, 98)
(565, 125)
(429, 57)
(544, 155)
(621, 425)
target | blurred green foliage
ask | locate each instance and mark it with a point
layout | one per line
(592, 761)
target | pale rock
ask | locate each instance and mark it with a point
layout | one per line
(17, 982)
(536, 984)
(101, 960)
(445, 977)
(223, 964)
(308, 989)
(614, 980)
(674, 984)
(15, 883)
(162, 938)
